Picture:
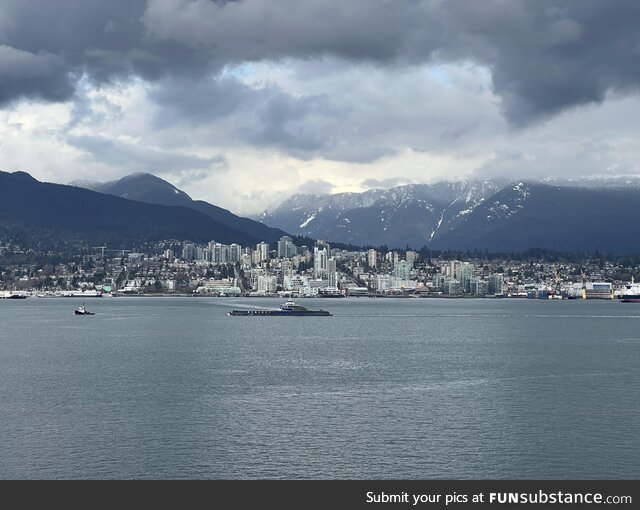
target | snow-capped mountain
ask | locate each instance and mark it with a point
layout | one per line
(411, 215)
(569, 215)
(528, 215)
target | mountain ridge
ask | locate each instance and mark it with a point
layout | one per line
(148, 188)
(440, 215)
(56, 213)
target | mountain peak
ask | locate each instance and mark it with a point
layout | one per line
(149, 188)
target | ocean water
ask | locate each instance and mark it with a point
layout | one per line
(174, 388)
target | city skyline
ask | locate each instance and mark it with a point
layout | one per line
(244, 103)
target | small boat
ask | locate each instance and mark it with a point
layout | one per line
(288, 309)
(81, 310)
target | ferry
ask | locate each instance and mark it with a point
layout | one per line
(288, 309)
(630, 293)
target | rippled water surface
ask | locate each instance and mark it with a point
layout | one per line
(163, 388)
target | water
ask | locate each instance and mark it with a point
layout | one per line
(169, 388)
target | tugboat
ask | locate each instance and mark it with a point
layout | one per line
(288, 309)
(81, 310)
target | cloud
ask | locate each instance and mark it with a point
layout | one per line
(41, 75)
(134, 158)
(242, 102)
(543, 57)
(316, 187)
(384, 183)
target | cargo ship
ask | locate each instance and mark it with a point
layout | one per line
(288, 309)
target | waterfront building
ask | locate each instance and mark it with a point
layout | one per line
(383, 282)
(478, 287)
(496, 284)
(465, 274)
(267, 284)
(357, 291)
(452, 287)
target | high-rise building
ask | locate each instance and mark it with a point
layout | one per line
(219, 253)
(411, 257)
(320, 258)
(465, 274)
(451, 269)
(235, 252)
(402, 270)
(393, 257)
(286, 248)
(321, 254)
(372, 258)
(263, 251)
(478, 287)
(189, 251)
(496, 284)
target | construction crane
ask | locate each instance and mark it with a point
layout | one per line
(100, 248)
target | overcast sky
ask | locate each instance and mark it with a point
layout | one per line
(242, 103)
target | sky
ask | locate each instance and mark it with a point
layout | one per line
(243, 103)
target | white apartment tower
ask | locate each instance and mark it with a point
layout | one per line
(263, 251)
(372, 258)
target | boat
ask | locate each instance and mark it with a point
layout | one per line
(630, 293)
(82, 293)
(81, 310)
(287, 309)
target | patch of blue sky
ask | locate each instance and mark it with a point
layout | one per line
(242, 72)
(439, 74)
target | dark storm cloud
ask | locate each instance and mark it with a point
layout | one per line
(544, 56)
(29, 74)
(547, 56)
(103, 40)
(265, 116)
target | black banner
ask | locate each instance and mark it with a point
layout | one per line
(329, 494)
